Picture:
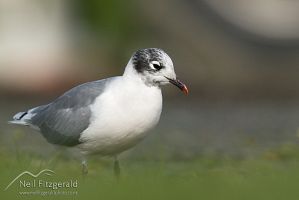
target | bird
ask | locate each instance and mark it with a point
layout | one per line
(108, 116)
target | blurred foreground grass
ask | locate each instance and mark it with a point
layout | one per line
(273, 174)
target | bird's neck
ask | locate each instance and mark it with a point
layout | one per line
(131, 74)
(129, 70)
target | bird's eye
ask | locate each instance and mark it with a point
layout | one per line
(156, 65)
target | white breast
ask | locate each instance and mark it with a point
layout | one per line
(121, 116)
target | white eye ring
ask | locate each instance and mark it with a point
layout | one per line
(154, 63)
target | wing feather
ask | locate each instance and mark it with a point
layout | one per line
(63, 120)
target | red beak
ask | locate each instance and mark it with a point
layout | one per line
(179, 84)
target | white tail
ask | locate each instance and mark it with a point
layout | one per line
(23, 118)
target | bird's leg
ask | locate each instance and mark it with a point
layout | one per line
(84, 168)
(116, 167)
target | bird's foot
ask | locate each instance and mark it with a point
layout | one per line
(84, 168)
(116, 168)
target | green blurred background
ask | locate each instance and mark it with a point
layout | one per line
(234, 137)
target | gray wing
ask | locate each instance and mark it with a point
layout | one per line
(63, 120)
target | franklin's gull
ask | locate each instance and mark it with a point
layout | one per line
(107, 116)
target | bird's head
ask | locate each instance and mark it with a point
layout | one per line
(156, 68)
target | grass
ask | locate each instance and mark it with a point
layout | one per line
(274, 174)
